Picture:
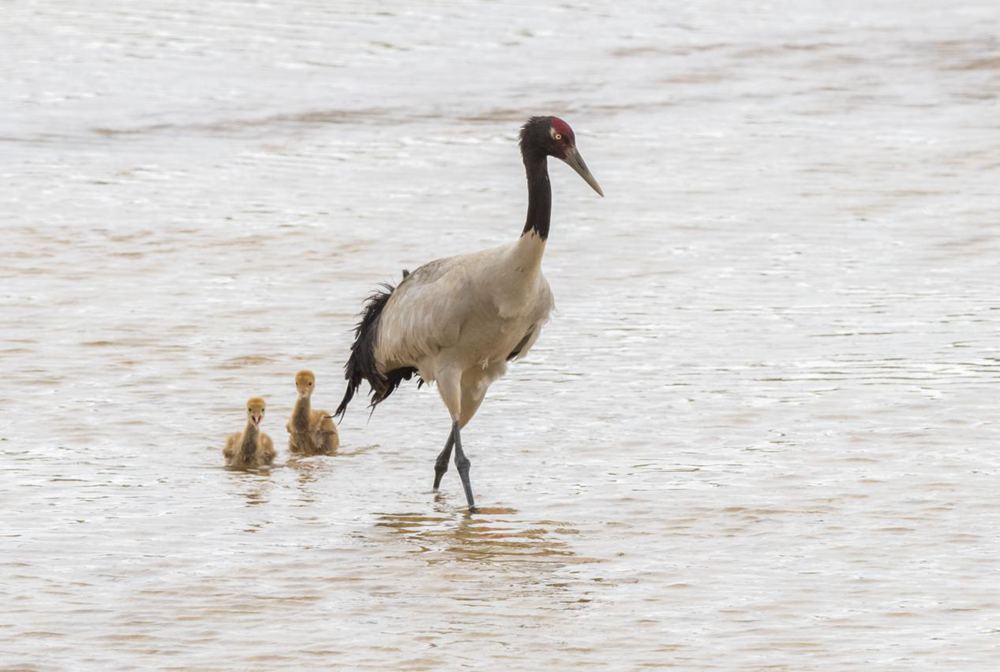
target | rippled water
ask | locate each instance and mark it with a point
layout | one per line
(759, 433)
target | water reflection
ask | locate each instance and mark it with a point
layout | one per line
(255, 486)
(361, 450)
(309, 470)
(494, 536)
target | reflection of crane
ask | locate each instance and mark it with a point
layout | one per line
(458, 321)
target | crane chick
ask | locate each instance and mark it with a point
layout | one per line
(250, 448)
(310, 432)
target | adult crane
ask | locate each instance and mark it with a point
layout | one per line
(458, 321)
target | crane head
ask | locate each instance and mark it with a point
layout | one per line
(255, 410)
(551, 136)
(305, 381)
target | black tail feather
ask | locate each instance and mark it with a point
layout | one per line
(361, 364)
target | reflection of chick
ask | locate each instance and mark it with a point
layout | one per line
(310, 432)
(251, 447)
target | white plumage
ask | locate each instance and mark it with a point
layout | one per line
(458, 321)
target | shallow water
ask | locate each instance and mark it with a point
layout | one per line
(758, 434)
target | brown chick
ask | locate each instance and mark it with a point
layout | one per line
(251, 447)
(310, 432)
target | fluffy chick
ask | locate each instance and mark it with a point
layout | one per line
(310, 431)
(251, 447)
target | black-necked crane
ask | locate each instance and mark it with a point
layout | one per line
(458, 321)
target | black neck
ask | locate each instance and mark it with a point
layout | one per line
(539, 196)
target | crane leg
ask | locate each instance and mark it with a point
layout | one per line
(462, 464)
(449, 382)
(441, 465)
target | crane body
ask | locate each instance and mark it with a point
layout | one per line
(457, 321)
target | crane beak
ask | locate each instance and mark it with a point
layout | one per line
(575, 161)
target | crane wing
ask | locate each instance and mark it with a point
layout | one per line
(425, 313)
(545, 304)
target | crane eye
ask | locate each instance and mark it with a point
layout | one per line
(558, 136)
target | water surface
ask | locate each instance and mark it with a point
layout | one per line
(759, 433)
